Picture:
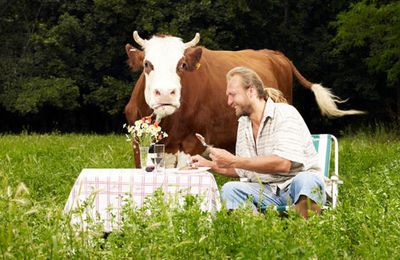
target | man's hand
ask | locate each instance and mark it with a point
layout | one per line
(226, 171)
(199, 160)
(222, 158)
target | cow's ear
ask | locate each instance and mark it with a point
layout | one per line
(192, 58)
(135, 57)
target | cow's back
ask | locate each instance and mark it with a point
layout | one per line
(272, 66)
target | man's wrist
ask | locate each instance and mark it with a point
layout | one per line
(237, 162)
(213, 166)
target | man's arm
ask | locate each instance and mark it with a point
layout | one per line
(271, 164)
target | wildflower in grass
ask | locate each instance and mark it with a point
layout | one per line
(144, 132)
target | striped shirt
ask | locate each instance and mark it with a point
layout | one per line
(282, 132)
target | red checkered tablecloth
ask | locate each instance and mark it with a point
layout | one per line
(101, 192)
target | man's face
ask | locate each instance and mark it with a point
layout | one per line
(238, 96)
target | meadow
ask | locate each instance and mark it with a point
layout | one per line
(38, 171)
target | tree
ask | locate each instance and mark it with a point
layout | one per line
(370, 32)
(65, 60)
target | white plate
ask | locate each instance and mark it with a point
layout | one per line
(199, 169)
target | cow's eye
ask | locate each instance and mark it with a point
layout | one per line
(184, 66)
(148, 67)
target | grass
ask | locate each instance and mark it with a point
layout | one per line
(38, 171)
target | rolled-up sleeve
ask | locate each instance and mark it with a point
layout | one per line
(289, 140)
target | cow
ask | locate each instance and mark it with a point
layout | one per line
(184, 85)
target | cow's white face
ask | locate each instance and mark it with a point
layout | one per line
(163, 87)
(164, 59)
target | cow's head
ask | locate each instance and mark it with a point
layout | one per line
(164, 60)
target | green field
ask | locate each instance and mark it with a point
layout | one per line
(366, 224)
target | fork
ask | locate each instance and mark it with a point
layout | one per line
(203, 140)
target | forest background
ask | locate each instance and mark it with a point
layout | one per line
(63, 63)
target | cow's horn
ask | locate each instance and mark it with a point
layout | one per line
(138, 39)
(193, 42)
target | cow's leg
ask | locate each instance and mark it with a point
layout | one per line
(178, 160)
(170, 160)
(136, 154)
(182, 159)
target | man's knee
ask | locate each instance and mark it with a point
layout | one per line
(310, 185)
(229, 189)
(304, 178)
(234, 194)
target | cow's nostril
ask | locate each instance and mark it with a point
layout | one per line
(173, 92)
(157, 92)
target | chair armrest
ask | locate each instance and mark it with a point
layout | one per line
(335, 179)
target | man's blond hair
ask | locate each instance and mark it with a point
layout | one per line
(250, 78)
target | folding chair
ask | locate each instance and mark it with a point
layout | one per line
(323, 146)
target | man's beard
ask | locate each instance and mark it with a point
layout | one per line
(242, 112)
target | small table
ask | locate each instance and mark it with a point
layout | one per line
(108, 188)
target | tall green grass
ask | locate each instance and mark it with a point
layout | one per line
(49, 164)
(366, 223)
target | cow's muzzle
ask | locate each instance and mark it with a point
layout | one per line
(164, 109)
(164, 105)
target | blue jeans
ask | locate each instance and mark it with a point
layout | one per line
(235, 193)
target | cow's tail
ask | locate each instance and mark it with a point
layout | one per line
(326, 100)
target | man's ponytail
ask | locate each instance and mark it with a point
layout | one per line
(275, 94)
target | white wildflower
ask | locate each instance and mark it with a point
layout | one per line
(144, 132)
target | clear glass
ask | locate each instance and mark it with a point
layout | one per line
(144, 152)
(159, 157)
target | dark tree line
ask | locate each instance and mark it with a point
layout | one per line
(63, 63)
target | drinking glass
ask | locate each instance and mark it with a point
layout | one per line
(159, 157)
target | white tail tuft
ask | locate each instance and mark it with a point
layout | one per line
(326, 101)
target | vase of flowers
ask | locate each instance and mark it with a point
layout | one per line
(144, 133)
(144, 156)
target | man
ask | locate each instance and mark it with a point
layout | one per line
(274, 151)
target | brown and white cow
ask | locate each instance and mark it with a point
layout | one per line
(185, 87)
